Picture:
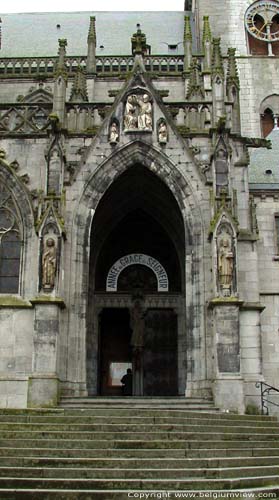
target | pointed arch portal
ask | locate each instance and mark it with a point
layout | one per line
(138, 239)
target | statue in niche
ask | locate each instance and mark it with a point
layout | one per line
(138, 113)
(54, 172)
(113, 133)
(221, 171)
(49, 264)
(162, 133)
(225, 264)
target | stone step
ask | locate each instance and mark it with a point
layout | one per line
(132, 429)
(129, 437)
(166, 444)
(211, 419)
(128, 428)
(140, 484)
(128, 473)
(138, 463)
(155, 453)
(131, 412)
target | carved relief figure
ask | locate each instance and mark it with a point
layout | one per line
(138, 113)
(130, 119)
(145, 113)
(113, 133)
(225, 264)
(49, 264)
(163, 133)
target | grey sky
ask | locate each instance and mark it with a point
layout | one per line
(90, 5)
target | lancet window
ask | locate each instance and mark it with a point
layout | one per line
(10, 243)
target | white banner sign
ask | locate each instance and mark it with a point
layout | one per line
(139, 259)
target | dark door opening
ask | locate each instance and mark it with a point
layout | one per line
(115, 352)
(155, 363)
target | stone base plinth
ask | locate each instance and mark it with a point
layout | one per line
(43, 391)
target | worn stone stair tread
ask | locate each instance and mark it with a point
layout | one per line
(194, 483)
(134, 428)
(141, 462)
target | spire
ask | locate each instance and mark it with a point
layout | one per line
(206, 37)
(232, 71)
(139, 45)
(217, 61)
(79, 88)
(60, 84)
(187, 29)
(61, 69)
(91, 44)
(207, 44)
(187, 43)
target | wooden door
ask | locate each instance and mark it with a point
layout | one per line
(160, 353)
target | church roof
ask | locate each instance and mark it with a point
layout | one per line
(264, 165)
(37, 34)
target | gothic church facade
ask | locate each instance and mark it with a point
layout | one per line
(139, 203)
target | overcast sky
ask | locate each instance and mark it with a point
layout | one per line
(88, 5)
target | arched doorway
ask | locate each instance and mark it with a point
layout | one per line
(137, 324)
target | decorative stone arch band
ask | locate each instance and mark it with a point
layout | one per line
(137, 259)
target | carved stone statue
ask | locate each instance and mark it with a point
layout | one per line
(130, 118)
(113, 133)
(225, 264)
(49, 264)
(145, 113)
(163, 133)
(221, 171)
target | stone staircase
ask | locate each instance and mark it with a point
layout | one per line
(115, 449)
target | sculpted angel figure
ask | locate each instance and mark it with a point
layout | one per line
(49, 264)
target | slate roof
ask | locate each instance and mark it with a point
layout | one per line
(264, 165)
(37, 34)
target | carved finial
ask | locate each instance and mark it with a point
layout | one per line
(79, 88)
(92, 30)
(187, 29)
(206, 37)
(139, 45)
(232, 72)
(217, 61)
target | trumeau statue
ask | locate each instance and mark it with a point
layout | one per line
(49, 264)
(226, 263)
(138, 113)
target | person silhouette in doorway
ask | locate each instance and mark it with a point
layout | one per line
(127, 383)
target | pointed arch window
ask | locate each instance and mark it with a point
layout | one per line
(10, 243)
